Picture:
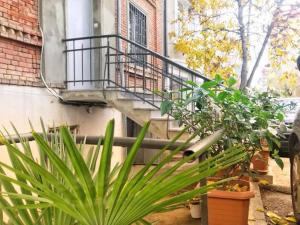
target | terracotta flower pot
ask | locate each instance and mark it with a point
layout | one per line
(260, 161)
(228, 207)
(264, 143)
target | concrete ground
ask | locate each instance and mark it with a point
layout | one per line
(177, 217)
(276, 202)
(278, 198)
(280, 177)
(268, 200)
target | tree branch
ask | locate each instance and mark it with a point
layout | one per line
(265, 42)
(244, 70)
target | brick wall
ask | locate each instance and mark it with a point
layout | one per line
(20, 42)
(153, 9)
(20, 39)
(154, 12)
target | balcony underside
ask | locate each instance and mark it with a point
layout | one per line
(84, 97)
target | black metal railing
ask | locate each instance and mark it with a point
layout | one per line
(112, 62)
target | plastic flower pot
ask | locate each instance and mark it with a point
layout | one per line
(229, 207)
(195, 209)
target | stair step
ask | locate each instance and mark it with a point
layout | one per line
(144, 105)
(157, 114)
(176, 129)
(139, 101)
(143, 109)
(173, 132)
(163, 118)
(174, 124)
(131, 96)
(158, 100)
(129, 91)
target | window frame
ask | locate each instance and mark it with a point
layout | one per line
(128, 20)
(140, 58)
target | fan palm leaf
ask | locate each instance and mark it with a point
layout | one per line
(67, 186)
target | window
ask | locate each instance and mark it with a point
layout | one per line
(137, 33)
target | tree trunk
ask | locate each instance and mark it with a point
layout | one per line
(244, 69)
(263, 47)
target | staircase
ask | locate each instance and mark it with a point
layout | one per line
(139, 111)
(113, 70)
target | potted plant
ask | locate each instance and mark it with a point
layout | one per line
(195, 208)
(230, 204)
(260, 159)
(88, 189)
(245, 116)
(268, 124)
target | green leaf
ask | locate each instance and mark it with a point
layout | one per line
(102, 180)
(61, 167)
(185, 89)
(209, 84)
(279, 162)
(166, 107)
(81, 170)
(192, 83)
(221, 96)
(218, 78)
(231, 81)
(123, 196)
(280, 116)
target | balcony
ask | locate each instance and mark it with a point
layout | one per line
(97, 64)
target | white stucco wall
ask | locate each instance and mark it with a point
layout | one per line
(20, 104)
(172, 15)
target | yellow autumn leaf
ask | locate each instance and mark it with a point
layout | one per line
(291, 219)
(263, 182)
(276, 219)
(273, 215)
(260, 210)
(210, 42)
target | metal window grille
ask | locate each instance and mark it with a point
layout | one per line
(137, 33)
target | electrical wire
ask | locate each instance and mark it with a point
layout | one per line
(51, 90)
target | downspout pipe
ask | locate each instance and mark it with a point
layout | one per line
(118, 17)
(118, 5)
(165, 29)
(165, 35)
(118, 41)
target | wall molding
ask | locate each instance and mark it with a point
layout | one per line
(25, 36)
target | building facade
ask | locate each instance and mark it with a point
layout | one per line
(74, 62)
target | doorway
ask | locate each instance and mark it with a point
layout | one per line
(79, 24)
(144, 155)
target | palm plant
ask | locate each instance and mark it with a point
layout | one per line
(66, 186)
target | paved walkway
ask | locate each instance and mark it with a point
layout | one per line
(177, 217)
(256, 217)
(280, 177)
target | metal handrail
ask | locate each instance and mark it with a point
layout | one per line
(130, 68)
(165, 59)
